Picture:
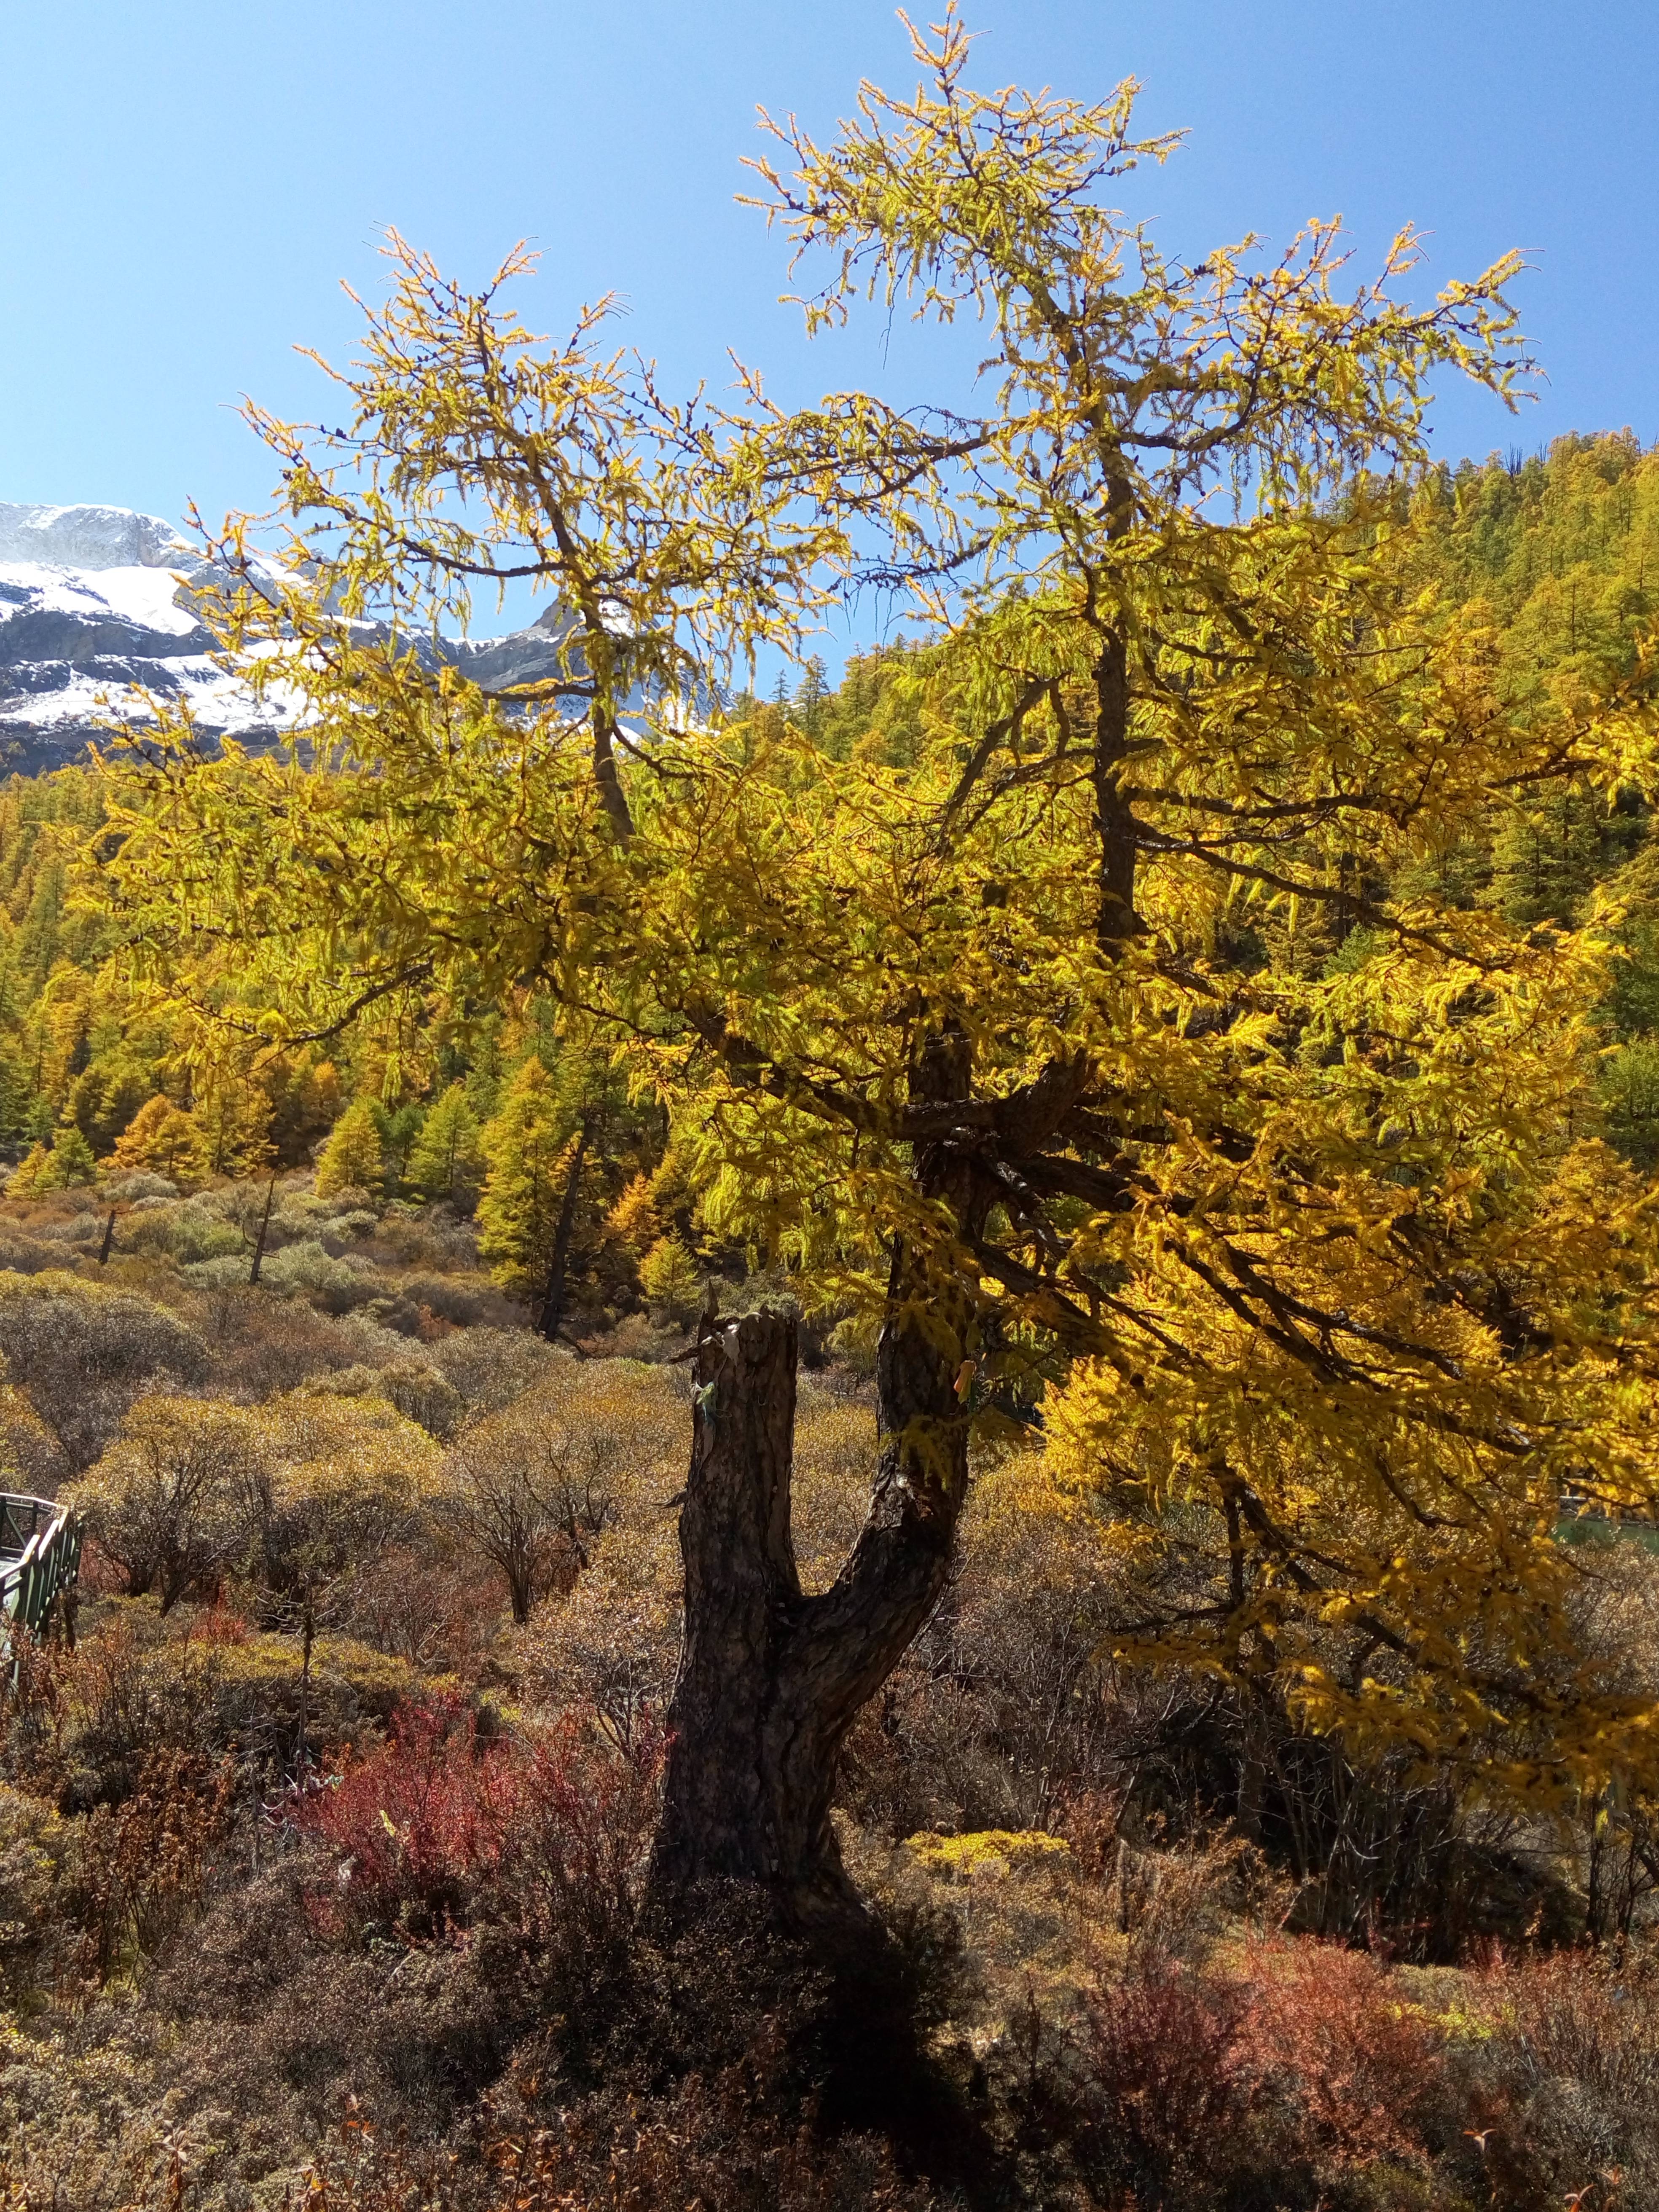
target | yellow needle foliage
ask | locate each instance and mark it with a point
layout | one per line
(354, 1158)
(1124, 1040)
(162, 1139)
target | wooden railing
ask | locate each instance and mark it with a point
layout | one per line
(39, 1560)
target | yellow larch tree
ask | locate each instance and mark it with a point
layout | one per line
(161, 1138)
(354, 1158)
(1001, 1036)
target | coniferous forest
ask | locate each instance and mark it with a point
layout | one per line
(873, 1441)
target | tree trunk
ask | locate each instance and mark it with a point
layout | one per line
(770, 1681)
(264, 1224)
(552, 1318)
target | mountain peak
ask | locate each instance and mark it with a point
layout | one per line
(90, 538)
(93, 626)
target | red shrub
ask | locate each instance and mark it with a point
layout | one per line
(585, 1815)
(98, 1576)
(1357, 2065)
(442, 1826)
(417, 1822)
(1305, 2064)
(1590, 2017)
(1169, 2056)
(217, 1624)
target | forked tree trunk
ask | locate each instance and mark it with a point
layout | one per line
(769, 1680)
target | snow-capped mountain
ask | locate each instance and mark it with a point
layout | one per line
(96, 610)
(92, 611)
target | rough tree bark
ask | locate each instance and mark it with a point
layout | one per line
(770, 1680)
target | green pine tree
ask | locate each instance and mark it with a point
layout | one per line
(812, 698)
(527, 1150)
(402, 1131)
(72, 1160)
(446, 1159)
(669, 1278)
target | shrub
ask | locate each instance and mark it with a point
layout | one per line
(31, 1457)
(835, 1459)
(439, 1613)
(351, 1476)
(723, 2139)
(260, 1690)
(1168, 2087)
(545, 1837)
(611, 1646)
(264, 1346)
(535, 1486)
(490, 1367)
(1359, 2069)
(988, 1850)
(31, 1846)
(468, 1302)
(81, 1726)
(348, 1226)
(188, 1233)
(1298, 2072)
(418, 1391)
(28, 1255)
(301, 1271)
(97, 1719)
(433, 1237)
(175, 1497)
(1558, 2054)
(569, 1885)
(83, 1353)
(417, 1823)
(135, 1871)
(271, 2030)
(139, 1183)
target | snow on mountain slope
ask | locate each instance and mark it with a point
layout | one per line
(90, 538)
(91, 616)
(95, 612)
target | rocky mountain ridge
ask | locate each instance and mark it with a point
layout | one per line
(95, 613)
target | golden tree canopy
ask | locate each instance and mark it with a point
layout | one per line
(1135, 1012)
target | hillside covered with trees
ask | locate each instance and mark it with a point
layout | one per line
(891, 1445)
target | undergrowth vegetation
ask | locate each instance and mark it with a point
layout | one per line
(322, 1846)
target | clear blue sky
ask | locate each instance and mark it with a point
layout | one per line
(181, 188)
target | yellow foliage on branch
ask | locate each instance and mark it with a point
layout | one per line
(1125, 1039)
